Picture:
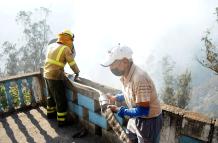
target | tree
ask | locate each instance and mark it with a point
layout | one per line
(1, 73)
(36, 35)
(1, 68)
(211, 52)
(183, 89)
(176, 91)
(12, 65)
(167, 93)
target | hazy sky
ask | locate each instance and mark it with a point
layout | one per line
(152, 28)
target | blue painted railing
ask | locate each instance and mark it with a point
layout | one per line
(20, 93)
(1, 108)
(19, 83)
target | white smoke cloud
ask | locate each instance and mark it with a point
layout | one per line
(152, 29)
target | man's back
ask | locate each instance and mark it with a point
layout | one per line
(140, 87)
(53, 71)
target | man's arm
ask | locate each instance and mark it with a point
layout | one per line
(142, 91)
(70, 60)
(138, 111)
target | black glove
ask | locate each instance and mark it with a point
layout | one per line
(76, 76)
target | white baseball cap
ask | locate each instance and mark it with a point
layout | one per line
(117, 53)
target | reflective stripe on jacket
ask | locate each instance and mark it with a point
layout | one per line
(58, 55)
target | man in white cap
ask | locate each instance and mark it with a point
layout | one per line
(139, 93)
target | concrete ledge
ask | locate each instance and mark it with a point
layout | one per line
(99, 86)
(71, 96)
(172, 109)
(171, 128)
(197, 117)
(88, 102)
(88, 92)
(20, 76)
(78, 110)
(196, 125)
(98, 120)
(92, 128)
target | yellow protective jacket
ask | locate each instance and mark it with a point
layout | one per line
(58, 55)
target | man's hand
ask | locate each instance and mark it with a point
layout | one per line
(114, 108)
(111, 97)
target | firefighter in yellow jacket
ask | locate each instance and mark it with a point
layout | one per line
(59, 53)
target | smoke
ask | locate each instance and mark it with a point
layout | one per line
(153, 29)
